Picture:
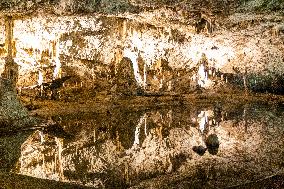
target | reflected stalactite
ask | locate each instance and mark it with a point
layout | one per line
(159, 132)
(172, 143)
(58, 158)
(118, 142)
(126, 172)
(136, 139)
(203, 120)
(137, 131)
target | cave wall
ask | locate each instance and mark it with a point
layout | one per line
(47, 47)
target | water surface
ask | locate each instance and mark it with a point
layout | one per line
(217, 145)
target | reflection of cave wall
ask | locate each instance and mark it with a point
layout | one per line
(92, 47)
(105, 150)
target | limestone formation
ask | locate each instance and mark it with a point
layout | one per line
(141, 93)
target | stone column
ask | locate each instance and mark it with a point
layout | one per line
(11, 70)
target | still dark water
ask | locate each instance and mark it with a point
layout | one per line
(218, 145)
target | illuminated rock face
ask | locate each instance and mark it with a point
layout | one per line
(163, 57)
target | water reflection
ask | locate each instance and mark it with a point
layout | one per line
(121, 148)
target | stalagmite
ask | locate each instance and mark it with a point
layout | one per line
(11, 71)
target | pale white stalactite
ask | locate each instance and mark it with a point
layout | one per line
(133, 57)
(145, 76)
(136, 139)
(202, 77)
(41, 137)
(40, 78)
(57, 70)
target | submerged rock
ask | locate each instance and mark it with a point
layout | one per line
(212, 143)
(200, 150)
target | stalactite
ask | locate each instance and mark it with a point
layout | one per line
(136, 136)
(145, 76)
(11, 71)
(145, 124)
(57, 70)
(159, 132)
(126, 172)
(41, 137)
(118, 143)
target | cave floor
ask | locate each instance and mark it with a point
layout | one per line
(103, 102)
(20, 181)
(171, 141)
